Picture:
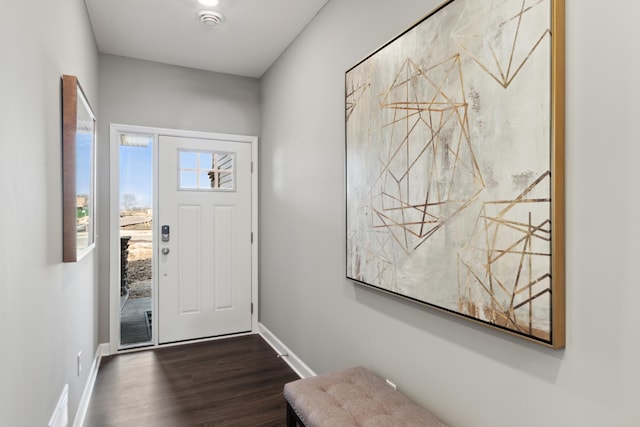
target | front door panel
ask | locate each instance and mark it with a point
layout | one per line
(204, 280)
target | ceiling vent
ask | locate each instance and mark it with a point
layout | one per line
(210, 18)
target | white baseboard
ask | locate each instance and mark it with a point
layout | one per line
(83, 406)
(60, 416)
(298, 366)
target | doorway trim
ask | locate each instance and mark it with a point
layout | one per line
(114, 236)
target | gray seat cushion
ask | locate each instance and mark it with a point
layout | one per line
(354, 397)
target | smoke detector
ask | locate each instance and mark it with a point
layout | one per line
(210, 18)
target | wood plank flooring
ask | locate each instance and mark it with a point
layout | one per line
(230, 382)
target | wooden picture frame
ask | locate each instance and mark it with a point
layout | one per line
(455, 165)
(78, 171)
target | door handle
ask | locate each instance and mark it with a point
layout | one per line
(164, 251)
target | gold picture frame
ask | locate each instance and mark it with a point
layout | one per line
(78, 171)
(455, 166)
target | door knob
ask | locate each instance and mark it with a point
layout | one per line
(164, 251)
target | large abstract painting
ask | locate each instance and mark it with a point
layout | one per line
(454, 149)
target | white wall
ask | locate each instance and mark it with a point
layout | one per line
(465, 373)
(47, 309)
(143, 93)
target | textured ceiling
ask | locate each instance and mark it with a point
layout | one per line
(253, 35)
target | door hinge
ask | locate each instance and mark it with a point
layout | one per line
(251, 308)
(252, 237)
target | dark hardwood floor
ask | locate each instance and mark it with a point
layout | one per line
(230, 382)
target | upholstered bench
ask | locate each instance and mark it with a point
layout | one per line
(354, 397)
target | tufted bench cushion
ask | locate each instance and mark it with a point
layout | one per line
(354, 397)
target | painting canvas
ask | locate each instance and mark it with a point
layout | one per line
(454, 157)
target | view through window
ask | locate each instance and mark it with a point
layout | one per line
(136, 239)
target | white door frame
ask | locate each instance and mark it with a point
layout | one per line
(114, 226)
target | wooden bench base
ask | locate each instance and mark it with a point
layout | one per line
(292, 418)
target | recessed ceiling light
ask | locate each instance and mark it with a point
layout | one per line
(210, 18)
(208, 3)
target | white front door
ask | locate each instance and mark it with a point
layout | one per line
(204, 202)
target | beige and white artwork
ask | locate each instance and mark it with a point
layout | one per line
(449, 164)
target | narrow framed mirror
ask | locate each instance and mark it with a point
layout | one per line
(78, 171)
